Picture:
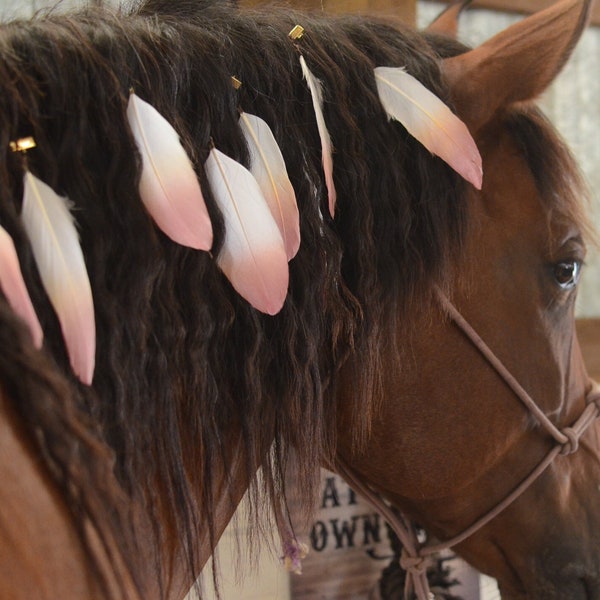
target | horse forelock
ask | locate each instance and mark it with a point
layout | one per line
(180, 356)
(557, 175)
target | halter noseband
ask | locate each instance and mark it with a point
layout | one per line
(414, 554)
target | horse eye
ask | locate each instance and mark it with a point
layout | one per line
(567, 273)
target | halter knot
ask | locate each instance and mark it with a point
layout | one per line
(413, 564)
(572, 443)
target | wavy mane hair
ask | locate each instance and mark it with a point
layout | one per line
(180, 356)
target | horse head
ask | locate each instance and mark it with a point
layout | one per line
(451, 439)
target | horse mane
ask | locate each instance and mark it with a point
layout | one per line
(180, 356)
(557, 176)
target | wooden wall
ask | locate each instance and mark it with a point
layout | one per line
(405, 10)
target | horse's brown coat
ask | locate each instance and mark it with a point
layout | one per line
(37, 537)
(588, 333)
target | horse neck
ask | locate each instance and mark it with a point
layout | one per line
(35, 517)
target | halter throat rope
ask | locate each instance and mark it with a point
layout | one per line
(414, 554)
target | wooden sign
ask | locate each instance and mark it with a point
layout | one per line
(348, 547)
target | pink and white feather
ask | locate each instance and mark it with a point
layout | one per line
(14, 288)
(316, 92)
(54, 239)
(168, 186)
(430, 121)
(268, 167)
(253, 255)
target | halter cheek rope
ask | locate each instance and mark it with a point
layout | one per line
(414, 555)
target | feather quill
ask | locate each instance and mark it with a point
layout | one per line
(316, 92)
(168, 186)
(57, 252)
(429, 120)
(269, 170)
(253, 256)
(14, 288)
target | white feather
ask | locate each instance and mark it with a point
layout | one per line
(13, 286)
(314, 85)
(57, 252)
(429, 120)
(169, 187)
(268, 167)
(253, 256)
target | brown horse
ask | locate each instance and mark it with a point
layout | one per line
(122, 488)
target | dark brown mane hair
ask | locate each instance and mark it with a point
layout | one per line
(556, 173)
(180, 356)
